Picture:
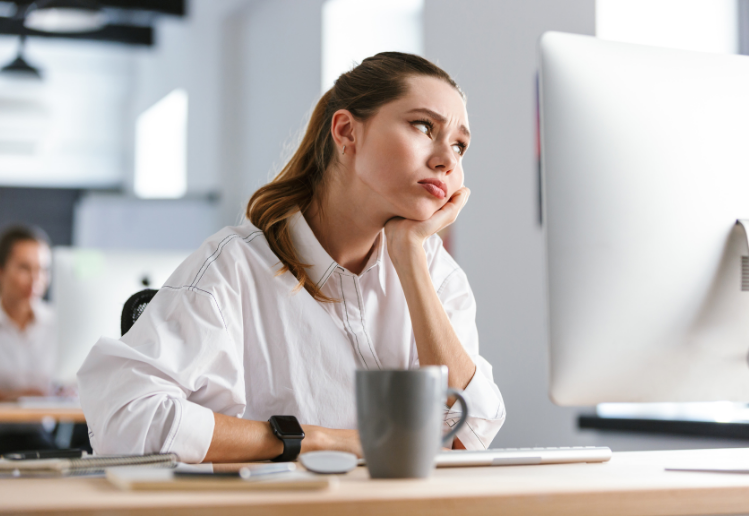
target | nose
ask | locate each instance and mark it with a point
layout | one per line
(443, 159)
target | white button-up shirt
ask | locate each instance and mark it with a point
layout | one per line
(228, 335)
(27, 357)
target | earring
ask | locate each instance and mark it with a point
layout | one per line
(344, 150)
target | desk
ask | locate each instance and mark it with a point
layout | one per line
(631, 483)
(13, 413)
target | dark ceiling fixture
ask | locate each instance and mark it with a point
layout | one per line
(121, 21)
(19, 67)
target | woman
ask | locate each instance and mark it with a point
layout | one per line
(339, 268)
(28, 339)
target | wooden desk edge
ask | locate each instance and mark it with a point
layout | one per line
(34, 415)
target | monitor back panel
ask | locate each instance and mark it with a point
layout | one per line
(646, 170)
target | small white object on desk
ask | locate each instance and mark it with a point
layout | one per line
(329, 462)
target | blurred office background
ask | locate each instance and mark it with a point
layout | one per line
(157, 143)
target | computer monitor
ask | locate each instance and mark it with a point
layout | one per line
(89, 288)
(645, 157)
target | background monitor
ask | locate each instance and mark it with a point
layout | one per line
(645, 156)
(89, 288)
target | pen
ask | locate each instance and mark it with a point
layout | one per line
(244, 473)
(45, 454)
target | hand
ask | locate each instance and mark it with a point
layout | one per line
(404, 235)
(321, 438)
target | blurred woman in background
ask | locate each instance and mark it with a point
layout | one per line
(28, 338)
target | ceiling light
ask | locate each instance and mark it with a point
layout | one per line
(19, 67)
(65, 16)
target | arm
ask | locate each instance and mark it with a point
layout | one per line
(240, 440)
(436, 341)
(159, 389)
(444, 325)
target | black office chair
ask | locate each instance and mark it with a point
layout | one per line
(134, 307)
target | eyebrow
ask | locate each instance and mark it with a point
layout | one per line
(441, 119)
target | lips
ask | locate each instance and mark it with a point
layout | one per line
(434, 187)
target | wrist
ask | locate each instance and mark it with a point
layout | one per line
(408, 254)
(314, 438)
(275, 445)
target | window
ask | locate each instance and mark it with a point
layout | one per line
(702, 25)
(355, 29)
(161, 148)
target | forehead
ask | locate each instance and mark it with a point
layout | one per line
(24, 249)
(436, 95)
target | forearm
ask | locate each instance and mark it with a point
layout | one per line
(436, 341)
(241, 440)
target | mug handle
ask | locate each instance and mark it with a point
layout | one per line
(463, 417)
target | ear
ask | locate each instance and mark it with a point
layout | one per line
(342, 128)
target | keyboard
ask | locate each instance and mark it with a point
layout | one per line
(522, 456)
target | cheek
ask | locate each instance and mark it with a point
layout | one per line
(456, 181)
(388, 164)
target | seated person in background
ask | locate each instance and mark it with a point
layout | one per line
(339, 267)
(28, 338)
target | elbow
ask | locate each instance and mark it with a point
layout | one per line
(135, 428)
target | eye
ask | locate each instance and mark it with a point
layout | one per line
(459, 148)
(425, 126)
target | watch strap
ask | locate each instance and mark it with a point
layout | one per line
(291, 449)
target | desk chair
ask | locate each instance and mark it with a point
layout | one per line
(134, 307)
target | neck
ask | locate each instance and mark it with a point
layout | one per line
(19, 311)
(345, 225)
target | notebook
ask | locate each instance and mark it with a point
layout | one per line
(84, 465)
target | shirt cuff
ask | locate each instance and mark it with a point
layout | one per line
(191, 432)
(486, 413)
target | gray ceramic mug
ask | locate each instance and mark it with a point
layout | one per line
(400, 414)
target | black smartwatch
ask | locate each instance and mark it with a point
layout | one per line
(288, 429)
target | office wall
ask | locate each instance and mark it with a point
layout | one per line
(491, 52)
(111, 221)
(187, 54)
(272, 75)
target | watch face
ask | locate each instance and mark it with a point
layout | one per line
(287, 426)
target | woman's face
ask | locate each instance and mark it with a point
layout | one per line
(409, 154)
(25, 274)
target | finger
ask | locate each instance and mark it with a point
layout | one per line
(452, 208)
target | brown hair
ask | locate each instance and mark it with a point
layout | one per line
(14, 234)
(378, 80)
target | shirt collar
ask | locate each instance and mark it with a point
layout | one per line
(311, 253)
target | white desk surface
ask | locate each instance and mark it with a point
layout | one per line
(633, 483)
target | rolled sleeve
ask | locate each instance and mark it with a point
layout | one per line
(156, 389)
(486, 411)
(191, 432)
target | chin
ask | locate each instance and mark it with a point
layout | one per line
(420, 211)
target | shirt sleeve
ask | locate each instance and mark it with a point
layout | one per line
(486, 409)
(155, 389)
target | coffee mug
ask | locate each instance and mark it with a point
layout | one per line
(400, 414)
